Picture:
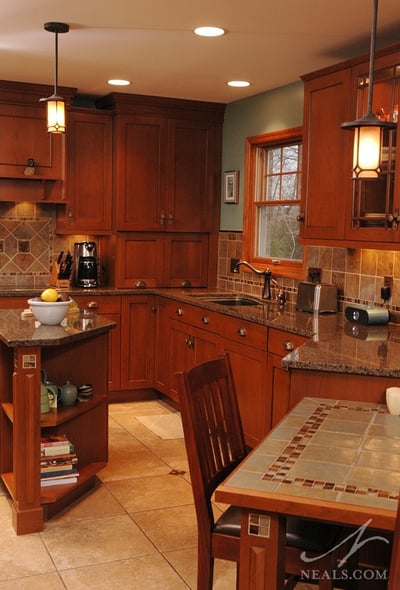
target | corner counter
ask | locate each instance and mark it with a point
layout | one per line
(76, 352)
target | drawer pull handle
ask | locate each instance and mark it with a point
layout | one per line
(242, 332)
(179, 311)
(205, 319)
(288, 345)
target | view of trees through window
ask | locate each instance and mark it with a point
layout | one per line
(277, 206)
(272, 200)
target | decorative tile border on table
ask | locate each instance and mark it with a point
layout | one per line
(278, 471)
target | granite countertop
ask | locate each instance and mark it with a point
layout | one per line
(355, 349)
(16, 331)
(334, 345)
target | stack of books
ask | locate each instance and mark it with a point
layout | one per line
(58, 461)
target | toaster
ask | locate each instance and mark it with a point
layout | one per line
(317, 297)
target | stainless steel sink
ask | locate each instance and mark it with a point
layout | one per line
(235, 301)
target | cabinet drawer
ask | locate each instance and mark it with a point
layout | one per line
(281, 342)
(101, 304)
(197, 316)
(247, 333)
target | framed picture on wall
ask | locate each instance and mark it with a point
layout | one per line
(231, 186)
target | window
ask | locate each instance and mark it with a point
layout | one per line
(272, 202)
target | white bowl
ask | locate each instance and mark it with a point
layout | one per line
(49, 313)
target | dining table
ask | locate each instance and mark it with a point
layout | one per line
(327, 460)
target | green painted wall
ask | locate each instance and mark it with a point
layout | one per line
(277, 109)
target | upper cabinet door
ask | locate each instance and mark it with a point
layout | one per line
(141, 172)
(193, 175)
(89, 173)
(327, 180)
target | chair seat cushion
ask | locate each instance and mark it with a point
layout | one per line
(316, 537)
(300, 533)
(229, 522)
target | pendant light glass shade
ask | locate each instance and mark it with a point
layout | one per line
(55, 114)
(55, 103)
(368, 130)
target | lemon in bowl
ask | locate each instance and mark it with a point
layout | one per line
(49, 313)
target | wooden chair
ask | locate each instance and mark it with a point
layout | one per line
(215, 446)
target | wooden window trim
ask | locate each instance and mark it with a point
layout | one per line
(287, 268)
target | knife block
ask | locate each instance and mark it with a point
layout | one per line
(55, 281)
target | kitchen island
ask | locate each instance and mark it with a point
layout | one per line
(75, 351)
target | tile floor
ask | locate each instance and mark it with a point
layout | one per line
(136, 531)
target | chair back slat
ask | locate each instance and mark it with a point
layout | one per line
(212, 427)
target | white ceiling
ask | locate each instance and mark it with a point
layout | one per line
(150, 42)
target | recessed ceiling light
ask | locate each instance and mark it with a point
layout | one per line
(238, 83)
(117, 82)
(209, 31)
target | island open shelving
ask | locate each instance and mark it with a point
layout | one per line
(76, 352)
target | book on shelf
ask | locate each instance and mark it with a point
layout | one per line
(54, 466)
(59, 474)
(59, 480)
(53, 445)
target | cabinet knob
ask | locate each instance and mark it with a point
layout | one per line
(170, 218)
(179, 311)
(242, 332)
(162, 217)
(288, 345)
(300, 217)
(205, 319)
(186, 283)
(92, 305)
(140, 285)
(190, 341)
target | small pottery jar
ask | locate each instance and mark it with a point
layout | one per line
(44, 399)
(69, 393)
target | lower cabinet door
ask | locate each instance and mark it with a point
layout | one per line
(249, 367)
(137, 341)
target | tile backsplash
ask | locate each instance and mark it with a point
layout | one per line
(358, 273)
(29, 246)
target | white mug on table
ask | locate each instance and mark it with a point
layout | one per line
(393, 400)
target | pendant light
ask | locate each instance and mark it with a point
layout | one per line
(55, 103)
(368, 130)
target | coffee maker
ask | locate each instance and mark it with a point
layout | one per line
(85, 268)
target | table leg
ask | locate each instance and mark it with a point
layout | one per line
(262, 551)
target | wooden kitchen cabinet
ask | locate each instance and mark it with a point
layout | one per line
(89, 173)
(327, 158)
(167, 155)
(108, 306)
(335, 209)
(157, 260)
(131, 351)
(192, 339)
(32, 161)
(137, 341)
(246, 343)
(280, 343)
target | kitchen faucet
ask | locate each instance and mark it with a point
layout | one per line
(267, 274)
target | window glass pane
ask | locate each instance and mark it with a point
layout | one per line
(274, 161)
(289, 187)
(290, 158)
(278, 232)
(272, 188)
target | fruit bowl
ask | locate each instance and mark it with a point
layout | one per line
(49, 313)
